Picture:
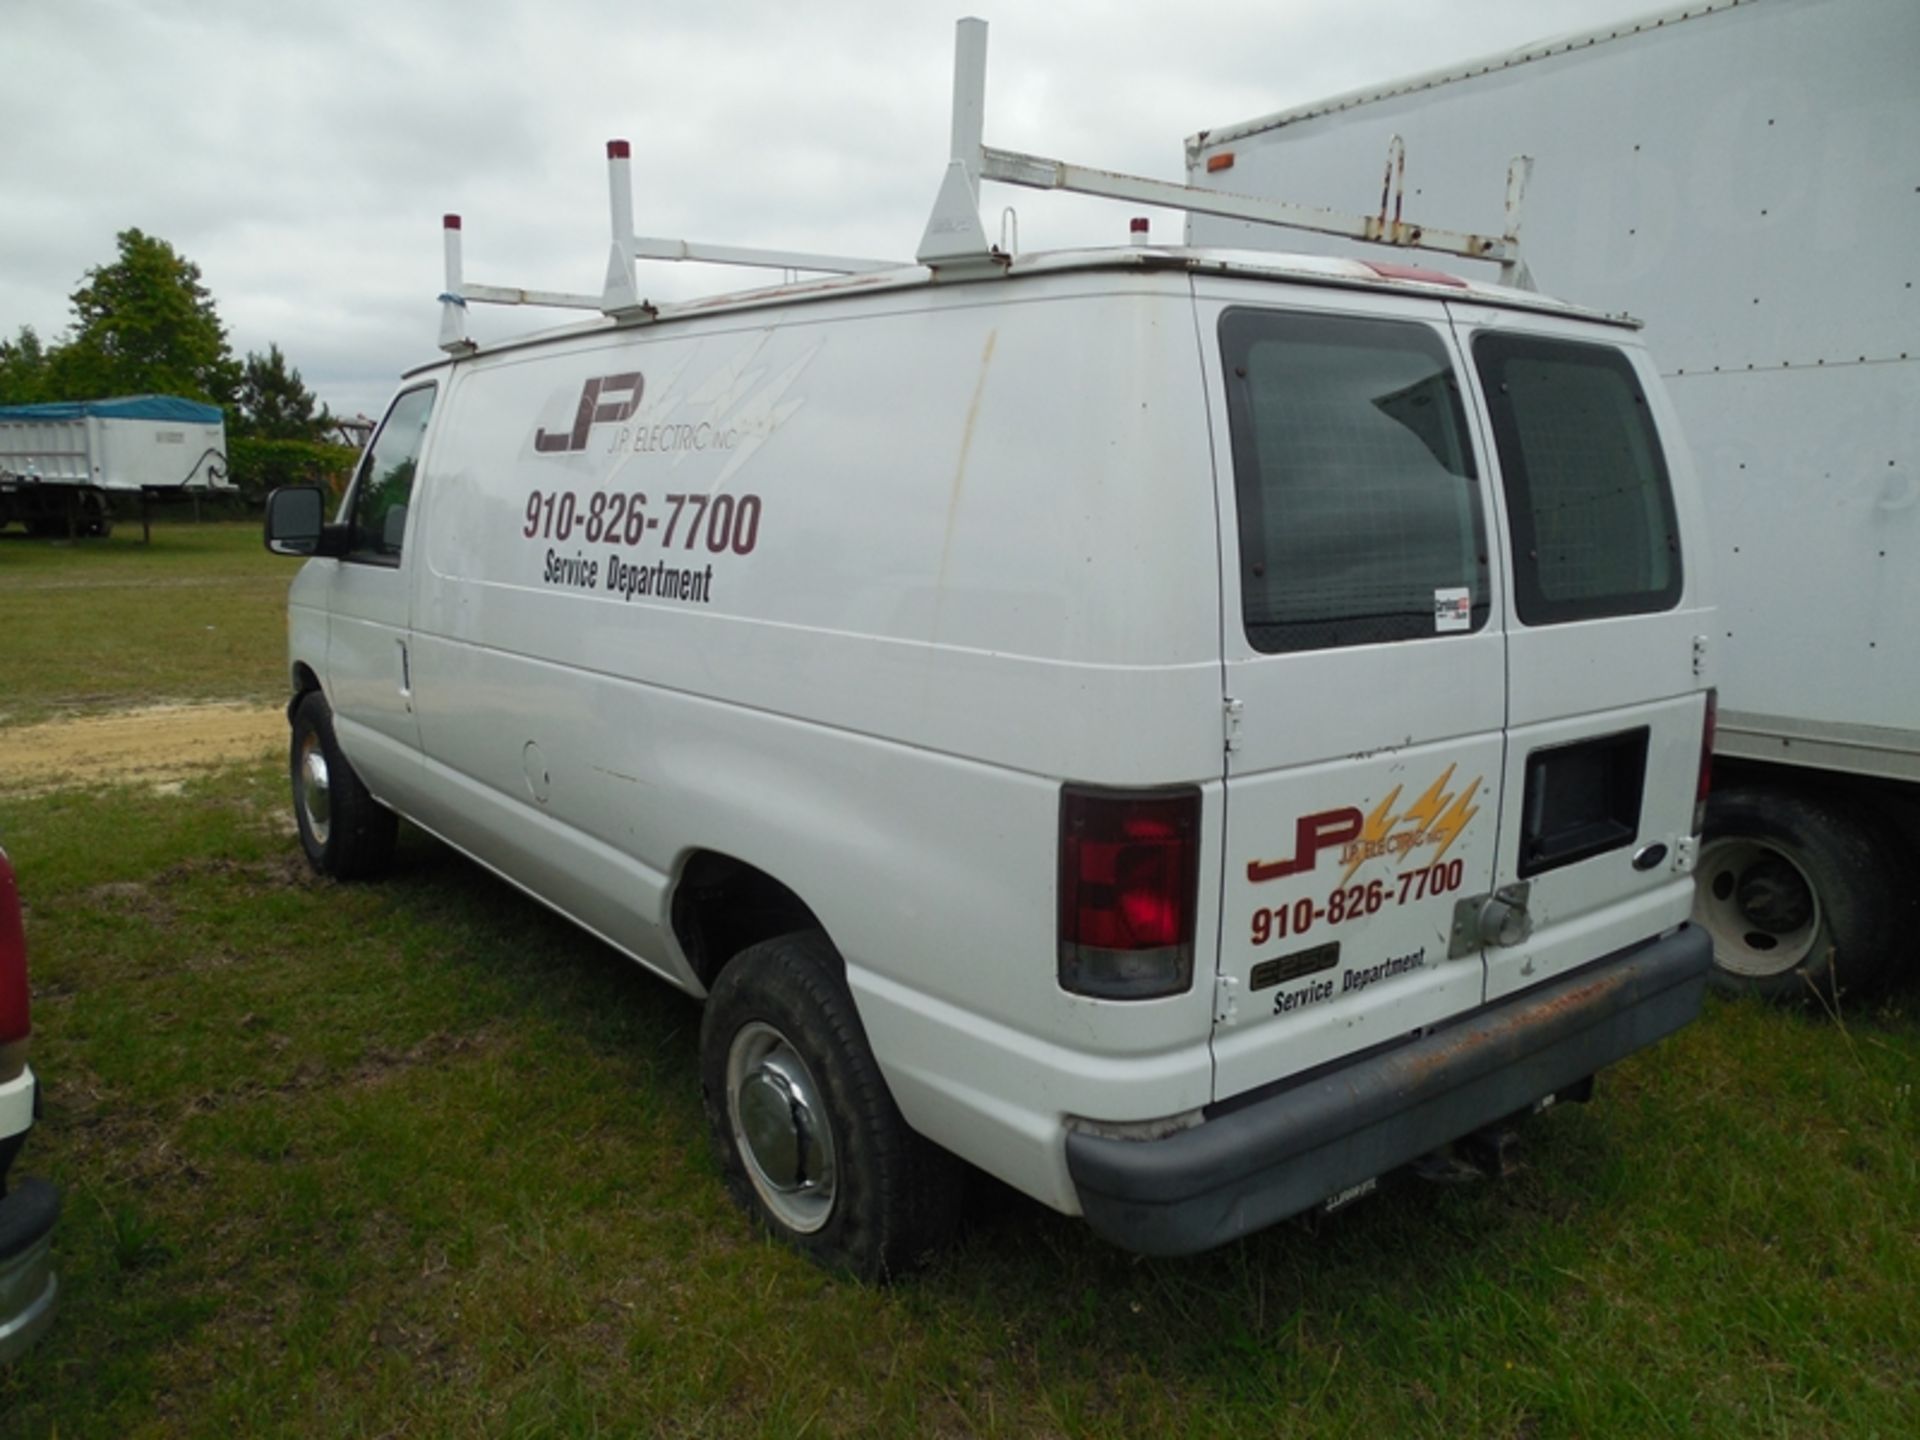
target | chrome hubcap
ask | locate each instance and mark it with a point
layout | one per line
(780, 1127)
(1758, 905)
(316, 798)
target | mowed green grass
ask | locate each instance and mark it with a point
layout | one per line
(416, 1157)
(199, 614)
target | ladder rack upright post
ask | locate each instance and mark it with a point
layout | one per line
(955, 240)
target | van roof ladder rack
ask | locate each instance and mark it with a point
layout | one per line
(954, 236)
(955, 244)
(620, 298)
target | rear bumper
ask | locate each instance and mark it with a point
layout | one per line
(1252, 1164)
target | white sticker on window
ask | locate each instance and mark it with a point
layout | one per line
(1452, 610)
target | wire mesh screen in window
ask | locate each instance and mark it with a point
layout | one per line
(1361, 498)
(1593, 490)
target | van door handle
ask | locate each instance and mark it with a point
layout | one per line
(406, 670)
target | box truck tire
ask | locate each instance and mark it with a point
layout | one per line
(808, 1138)
(346, 833)
(1798, 895)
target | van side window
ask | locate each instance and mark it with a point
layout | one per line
(1360, 518)
(1586, 483)
(384, 485)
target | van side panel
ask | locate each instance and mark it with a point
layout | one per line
(866, 597)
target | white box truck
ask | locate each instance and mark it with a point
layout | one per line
(1745, 177)
(62, 465)
(1093, 713)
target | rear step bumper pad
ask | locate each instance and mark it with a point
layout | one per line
(1252, 1164)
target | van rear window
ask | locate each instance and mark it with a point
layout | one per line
(1360, 521)
(1588, 497)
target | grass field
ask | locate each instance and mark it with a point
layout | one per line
(200, 614)
(417, 1158)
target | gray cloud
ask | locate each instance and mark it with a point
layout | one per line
(302, 154)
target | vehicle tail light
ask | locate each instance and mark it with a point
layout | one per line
(13, 975)
(1704, 786)
(1129, 891)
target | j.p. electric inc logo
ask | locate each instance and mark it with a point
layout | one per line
(1435, 821)
(604, 400)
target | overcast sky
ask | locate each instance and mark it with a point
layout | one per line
(302, 154)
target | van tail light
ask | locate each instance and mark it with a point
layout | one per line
(1129, 891)
(1704, 786)
(13, 976)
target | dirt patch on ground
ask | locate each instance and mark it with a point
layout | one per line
(154, 745)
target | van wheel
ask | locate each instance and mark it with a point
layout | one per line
(1798, 895)
(346, 832)
(810, 1142)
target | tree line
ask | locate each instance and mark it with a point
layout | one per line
(146, 324)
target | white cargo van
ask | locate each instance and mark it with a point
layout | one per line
(1188, 733)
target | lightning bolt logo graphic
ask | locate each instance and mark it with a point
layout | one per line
(1449, 825)
(1424, 811)
(1379, 825)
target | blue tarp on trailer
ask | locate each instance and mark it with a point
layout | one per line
(126, 407)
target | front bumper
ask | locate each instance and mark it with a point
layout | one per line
(1249, 1165)
(28, 1209)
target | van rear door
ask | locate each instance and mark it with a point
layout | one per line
(1365, 671)
(1606, 643)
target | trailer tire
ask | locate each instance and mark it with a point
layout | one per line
(807, 1135)
(1798, 894)
(345, 832)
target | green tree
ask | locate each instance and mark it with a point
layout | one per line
(274, 403)
(145, 325)
(24, 370)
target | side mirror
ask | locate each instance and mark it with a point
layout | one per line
(297, 522)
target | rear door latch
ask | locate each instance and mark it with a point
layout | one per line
(1483, 921)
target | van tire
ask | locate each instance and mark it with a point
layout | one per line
(1798, 894)
(781, 1043)
(345, 832)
